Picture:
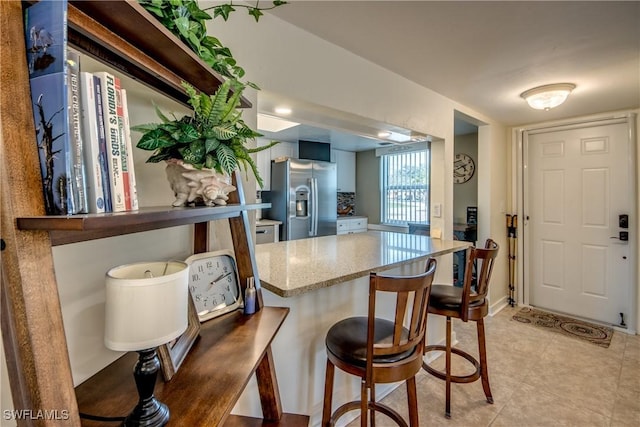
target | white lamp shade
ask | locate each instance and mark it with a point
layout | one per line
(548, 96)
(146, 304)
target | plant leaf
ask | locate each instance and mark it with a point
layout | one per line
(145, 127)
(256, 13)
(162, 155)
(182, 24)
(210, 162)
(226, 158)
(197, 149)
(264, 147)
(224, 132)
(223, 10)
(161, 115)
(185, 133)
(210, 144)
(155, 139)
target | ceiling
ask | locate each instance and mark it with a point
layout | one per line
(485, 54)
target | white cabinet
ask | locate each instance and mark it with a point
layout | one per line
(263, 161)
(346, 165)
(267, 231)
(349, 225)
(263, 158)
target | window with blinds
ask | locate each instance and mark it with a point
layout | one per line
(405, 187)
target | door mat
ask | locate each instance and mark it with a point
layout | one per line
(595, 334)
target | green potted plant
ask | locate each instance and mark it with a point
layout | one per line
(188, 22)
(203, 149)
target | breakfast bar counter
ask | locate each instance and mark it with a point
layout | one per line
(295, 267)
(323, 280)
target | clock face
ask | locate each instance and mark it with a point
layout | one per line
(213, 283)
(463, 168)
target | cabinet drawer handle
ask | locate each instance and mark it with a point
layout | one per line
(261, 231)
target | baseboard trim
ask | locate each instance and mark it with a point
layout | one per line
(498, 306)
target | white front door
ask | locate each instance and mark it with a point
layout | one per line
(579, 182)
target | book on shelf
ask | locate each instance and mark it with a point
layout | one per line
(102, 145)
(129, 144)
(124, 158)
(112, 133)
(46, 45)
(95, 190)
(78, 174)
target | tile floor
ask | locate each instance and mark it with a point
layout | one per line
(538, 378)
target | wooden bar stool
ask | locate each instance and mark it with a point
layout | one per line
(466, 304)
(380, 350)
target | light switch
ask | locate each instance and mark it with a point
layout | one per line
(437, 210)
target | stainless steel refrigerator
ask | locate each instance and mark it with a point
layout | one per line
(303, 196)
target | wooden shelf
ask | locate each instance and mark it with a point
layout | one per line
(228, 352)
(83, 227)
(123, 35)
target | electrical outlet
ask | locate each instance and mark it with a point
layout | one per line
(437, 210)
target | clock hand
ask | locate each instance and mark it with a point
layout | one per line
(214, 281)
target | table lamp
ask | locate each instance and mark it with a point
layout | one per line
(146, 306)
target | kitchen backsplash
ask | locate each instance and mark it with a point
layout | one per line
(346, 203)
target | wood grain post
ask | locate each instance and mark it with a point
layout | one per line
(32, 329)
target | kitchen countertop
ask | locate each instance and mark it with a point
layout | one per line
(294, 267)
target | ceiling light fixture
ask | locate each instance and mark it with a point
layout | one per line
(273, 124)
(283, 110)
(384, 134)
(548, 96)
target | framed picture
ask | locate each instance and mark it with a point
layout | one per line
(172, 354)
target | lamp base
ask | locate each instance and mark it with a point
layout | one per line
(154, 414)
(149, 412)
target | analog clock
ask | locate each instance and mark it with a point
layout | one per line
(463, 168)
(213, 283)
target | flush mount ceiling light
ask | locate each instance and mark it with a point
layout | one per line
(384, 134)
(548, 96)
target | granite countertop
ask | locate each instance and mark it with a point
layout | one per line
(295, 267)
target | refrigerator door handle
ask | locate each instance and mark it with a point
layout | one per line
(314, 206)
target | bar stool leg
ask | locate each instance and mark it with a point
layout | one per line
(364, 403)
(372, 399)
(447, 410)
(328, 394)
(412, 397)
(484, 372)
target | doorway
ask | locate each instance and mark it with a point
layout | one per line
(578, 185)
(465, 189)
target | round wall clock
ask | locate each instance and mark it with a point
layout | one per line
(463, 168)
(214, 283)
